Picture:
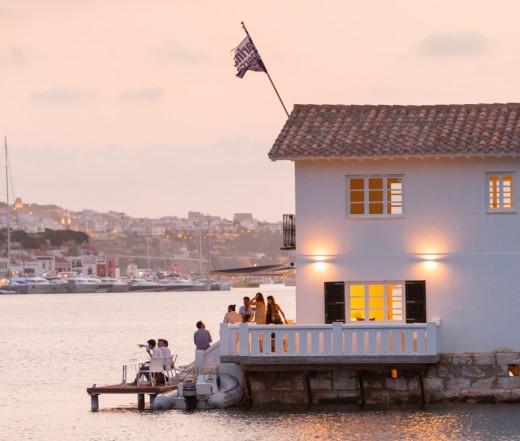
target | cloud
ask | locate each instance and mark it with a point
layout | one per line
(455, 44)
(171, 50)
(143, 94)
(59, 94)
(12, 54)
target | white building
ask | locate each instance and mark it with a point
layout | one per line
(408, 214)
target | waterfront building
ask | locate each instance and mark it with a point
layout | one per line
(407, 251)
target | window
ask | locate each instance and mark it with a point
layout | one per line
(374, 196)
(500, 192)
(375, 301)
(402, 302)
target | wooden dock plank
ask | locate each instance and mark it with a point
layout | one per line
(130, 389)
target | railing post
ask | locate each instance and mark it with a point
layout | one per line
(243, 330)
(337, 338)
(224, 339)
(431, 329)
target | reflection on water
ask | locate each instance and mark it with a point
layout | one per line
(54, 346)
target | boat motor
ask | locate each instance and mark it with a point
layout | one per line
(190, 395)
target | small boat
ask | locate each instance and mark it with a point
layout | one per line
(177, 284)
(81, 284)
(33, 285)
(210, 390)
(115, 285)
(145, 285)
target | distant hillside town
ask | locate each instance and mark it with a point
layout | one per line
(47, 239)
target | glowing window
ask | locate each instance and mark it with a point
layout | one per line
(375, 302)
(500, 192)
(374, 196)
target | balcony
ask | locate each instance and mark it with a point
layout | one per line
(337, 343)
(289, 232)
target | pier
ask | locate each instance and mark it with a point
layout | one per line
(141, 390)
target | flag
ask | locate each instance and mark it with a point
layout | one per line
(247, 58)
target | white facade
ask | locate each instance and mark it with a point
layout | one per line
(468, 257)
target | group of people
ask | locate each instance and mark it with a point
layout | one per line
(256, 311)
(155, 349)
(158, 349)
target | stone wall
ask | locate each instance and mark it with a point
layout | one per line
(455, 378)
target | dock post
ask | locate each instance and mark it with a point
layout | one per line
(152, 399)
(140, 401)
(421, 385)
(308, 388)
(362, 389)
(94, 402)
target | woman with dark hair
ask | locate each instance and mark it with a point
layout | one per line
(273, 312)
(258, 304)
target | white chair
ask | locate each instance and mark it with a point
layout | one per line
(171, 364)
(157, 367)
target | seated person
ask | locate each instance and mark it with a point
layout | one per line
(232, 316)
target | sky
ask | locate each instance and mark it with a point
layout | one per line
(134, 106)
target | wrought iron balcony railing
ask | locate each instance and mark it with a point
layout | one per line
(289, 232)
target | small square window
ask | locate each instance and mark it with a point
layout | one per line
(500, 194)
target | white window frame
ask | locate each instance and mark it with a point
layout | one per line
(503, 197)
(366, 197)
(367, 308)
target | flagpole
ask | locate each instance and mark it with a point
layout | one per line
(268, 76)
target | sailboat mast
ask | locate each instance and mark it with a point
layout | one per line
(200, 247)
(8, 216)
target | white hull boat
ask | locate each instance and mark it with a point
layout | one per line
(210, 391)
(32, 285)
(115, 285)
(145, 285)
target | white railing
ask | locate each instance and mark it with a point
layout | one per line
(337, 339)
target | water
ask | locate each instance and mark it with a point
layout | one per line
(54, 346)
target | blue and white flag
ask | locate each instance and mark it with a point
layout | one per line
(247, 58)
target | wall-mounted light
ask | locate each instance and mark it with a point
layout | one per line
(430, 260)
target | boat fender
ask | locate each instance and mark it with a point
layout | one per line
(165, 401)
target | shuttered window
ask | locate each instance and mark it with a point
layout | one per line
(375, 301)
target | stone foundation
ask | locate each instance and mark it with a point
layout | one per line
(455, 378)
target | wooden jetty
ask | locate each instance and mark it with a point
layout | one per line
(140, 390)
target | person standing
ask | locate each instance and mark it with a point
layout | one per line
(274, 313)
(258, 304)
(246, 311)
(202, 337)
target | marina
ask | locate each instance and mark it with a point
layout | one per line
(77, 340)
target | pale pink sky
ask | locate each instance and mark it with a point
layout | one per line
(133, 105)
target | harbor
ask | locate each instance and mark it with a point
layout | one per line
(98, 333)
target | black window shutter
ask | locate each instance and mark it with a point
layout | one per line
(415, 292)
(334, 302)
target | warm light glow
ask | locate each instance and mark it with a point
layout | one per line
(320, 266)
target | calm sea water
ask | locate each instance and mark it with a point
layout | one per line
(54, 346)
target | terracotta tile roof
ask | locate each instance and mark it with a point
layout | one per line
(325, 131)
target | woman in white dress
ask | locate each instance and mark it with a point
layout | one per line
(258, 304)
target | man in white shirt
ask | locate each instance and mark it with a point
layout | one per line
(246, 311)
(232, 316)
(165, 350)
(154, 352)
